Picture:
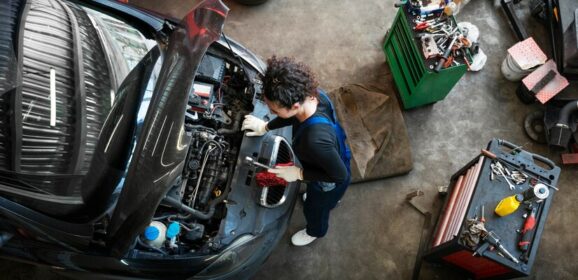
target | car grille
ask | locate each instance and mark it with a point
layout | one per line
(275, 196)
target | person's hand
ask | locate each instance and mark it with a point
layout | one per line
(287, 173)
(257, 126)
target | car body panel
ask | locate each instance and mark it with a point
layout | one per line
(157, 162)
(140, 156)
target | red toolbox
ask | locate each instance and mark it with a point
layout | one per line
(474, 186)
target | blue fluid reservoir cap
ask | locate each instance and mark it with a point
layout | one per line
(151, 233)
(173, 230)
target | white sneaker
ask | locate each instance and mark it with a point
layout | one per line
(301, 238)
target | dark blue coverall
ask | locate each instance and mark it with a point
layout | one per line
(319, 144)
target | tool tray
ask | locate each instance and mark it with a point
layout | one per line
(415, 79)
(430, 63)
(461, 205)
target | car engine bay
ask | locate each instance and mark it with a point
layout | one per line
(220, 97)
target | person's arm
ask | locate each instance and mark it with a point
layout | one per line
(279, 123)
(323, 147)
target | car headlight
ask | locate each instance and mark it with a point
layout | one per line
(238, 254)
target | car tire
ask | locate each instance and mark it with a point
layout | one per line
(251, 2)
(535, 128)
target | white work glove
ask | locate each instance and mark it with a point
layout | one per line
(257, 126)
(287, 173)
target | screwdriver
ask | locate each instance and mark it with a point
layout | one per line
(483, 219)
(527, 230)
(446, 55)
(493, 156)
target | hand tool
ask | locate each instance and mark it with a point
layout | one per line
(253, 162)
(449, 61)
(528, 230)
(492, 239)
(518, 177)
(446, 54)
(492, 156)
(499, 169)
(420, 26)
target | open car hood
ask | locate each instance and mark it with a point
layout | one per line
(161, 146)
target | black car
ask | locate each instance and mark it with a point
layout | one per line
(121, 153)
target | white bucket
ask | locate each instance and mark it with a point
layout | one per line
(512, 71)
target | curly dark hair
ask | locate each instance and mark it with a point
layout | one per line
(287, 82)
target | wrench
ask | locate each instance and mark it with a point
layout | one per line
(253, 162)
(512, 187)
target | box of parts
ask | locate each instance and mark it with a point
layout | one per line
(471, 236)
(413, 47)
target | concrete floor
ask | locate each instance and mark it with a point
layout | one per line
(374, 234)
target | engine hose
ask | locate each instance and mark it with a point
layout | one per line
(142, 243)
(193, 212)
(566, 112)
